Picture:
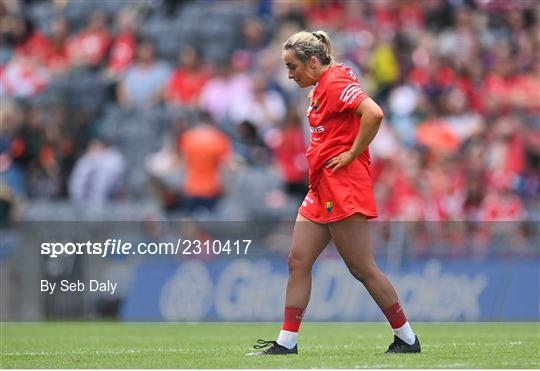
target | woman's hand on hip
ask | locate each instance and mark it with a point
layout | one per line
(343, 159)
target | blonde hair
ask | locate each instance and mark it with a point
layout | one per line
(308, 44)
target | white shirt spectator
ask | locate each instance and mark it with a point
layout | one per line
(98, 175)
(265, 108)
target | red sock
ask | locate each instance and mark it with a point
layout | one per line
(395, 315)
(292, 319)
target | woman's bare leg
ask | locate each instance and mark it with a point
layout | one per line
(309, 240)
(353, 242)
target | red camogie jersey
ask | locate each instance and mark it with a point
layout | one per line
(334, 125)
(332, 119)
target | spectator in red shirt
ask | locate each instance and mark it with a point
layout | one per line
(89, 47)
(290, 155)
(502, 205)
(122, 53)
(57, 57)
(328, 14)
(28, 41)
(188, 80)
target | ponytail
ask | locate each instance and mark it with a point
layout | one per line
(323, 37)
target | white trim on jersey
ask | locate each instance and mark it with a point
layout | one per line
(350, 92)
(355, 95)
(344, 92)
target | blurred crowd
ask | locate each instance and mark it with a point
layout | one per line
(111, 101)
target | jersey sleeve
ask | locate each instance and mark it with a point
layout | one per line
(345, 94)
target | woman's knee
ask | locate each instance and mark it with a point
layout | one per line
(364, 273)
(299, 263)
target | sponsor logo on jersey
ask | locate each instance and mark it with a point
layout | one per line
(306, 200)
(316, 129)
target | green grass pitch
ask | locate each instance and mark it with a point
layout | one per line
(216, 345)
